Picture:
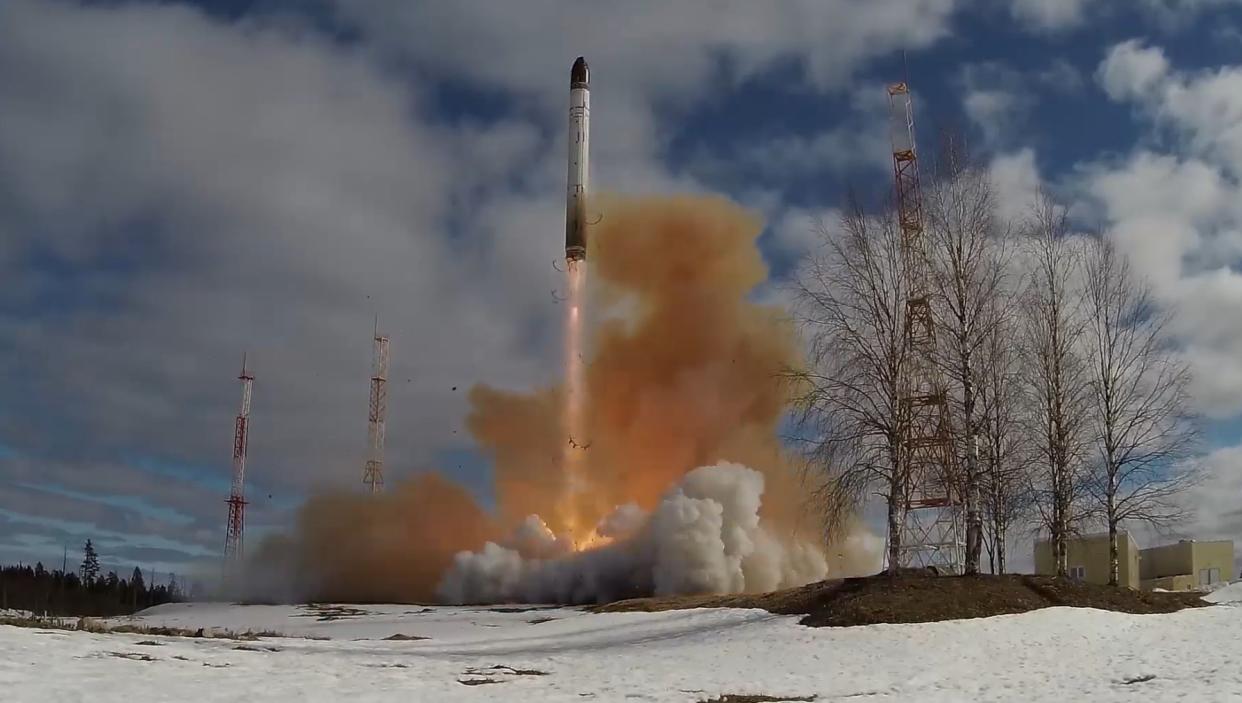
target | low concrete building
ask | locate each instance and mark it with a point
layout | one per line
(1186, 565)
(1088, 559)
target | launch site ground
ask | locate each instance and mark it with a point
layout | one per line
(413, 653)
(918, 597)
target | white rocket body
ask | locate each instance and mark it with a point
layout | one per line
(579, 158)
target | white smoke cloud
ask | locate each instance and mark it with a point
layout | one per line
(705, 536)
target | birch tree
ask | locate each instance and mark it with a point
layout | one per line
(851, 305)
(1004, 452)
(1141, 425)
(1055, 377)
(966, 250)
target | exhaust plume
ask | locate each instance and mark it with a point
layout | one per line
(682, 370)
(704, 537)
(385, 547)
(682, 471)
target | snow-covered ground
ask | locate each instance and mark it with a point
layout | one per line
(1057, 654)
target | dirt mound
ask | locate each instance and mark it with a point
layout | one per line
(924, 597)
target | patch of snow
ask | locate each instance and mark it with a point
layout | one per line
(1226, 594)
(558, 654)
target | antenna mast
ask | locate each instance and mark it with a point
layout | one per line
(373, 472)
(237, 500)
(931, 534)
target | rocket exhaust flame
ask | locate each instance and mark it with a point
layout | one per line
(576, 444)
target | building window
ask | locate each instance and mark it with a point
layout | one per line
(1078, 573)
(1207, 577)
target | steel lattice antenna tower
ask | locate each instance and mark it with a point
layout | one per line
(373, 472)
(932, 529)
(237, 500)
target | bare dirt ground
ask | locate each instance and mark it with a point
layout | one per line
(917, 596)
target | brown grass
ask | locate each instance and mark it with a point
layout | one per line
(920, 597)
(100, 628)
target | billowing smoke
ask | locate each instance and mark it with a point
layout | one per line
(704, 536)
(683, 370)
(682, 374)
(352, 546)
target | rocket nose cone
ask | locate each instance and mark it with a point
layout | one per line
(580, 73)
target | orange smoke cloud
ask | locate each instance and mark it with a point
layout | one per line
(390, 547)
(687, 377)
(682, 372)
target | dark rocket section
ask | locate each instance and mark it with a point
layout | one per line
(579, 154)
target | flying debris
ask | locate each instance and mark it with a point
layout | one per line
(579, 156)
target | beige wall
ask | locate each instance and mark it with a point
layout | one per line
(1214, 555)
(1189, 559)
(1091, 553)
(1167, 560)
(1186, 582)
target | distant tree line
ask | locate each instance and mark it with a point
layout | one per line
(1067, 399)
(88, 592)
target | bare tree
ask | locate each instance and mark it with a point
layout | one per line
(1054, 376)
(1005, 452)
(851, 306)
(1141, 424)
(966, 249)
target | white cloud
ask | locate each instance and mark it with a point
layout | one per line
(1061, 76)
(799, 231)
(650, 47)
(999, 99)
(1158, 205)
(1131, 70)
(1016, 179)
(1214, 507)
(1055, 16)
(858, 141)
(272, 192)
(1203, 109)
(1176, 14)
(1179, 220)
(650, 59)
(1047, 15)
(196, 188)
(994, 112)
(1179, 214)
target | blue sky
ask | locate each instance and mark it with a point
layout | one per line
(184, 181)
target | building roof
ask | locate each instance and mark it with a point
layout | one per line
(1087, 536)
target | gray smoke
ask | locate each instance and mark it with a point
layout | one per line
(705, 536)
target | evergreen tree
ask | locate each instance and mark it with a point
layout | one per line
(138, 589)
(90, 564)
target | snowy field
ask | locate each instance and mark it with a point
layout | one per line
(554, 654)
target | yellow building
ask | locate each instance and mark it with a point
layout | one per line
(1187, 565)
(1088, 559)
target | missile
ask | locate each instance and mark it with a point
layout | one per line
(579, 155)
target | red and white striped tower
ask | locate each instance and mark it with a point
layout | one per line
(373, 472)
(931, 532)
(237, 500)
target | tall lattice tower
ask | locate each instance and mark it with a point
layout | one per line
(237, 499)
(373, 471)
(932, 534)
